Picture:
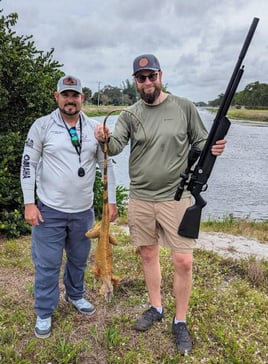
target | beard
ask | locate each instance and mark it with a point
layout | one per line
(150, 98)
(69, 112)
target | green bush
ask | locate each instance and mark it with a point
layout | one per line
(121, 197)
(27, 80)
(12, 222)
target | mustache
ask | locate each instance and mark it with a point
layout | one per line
(70, 104)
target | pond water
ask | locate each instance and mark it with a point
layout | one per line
(238, 184)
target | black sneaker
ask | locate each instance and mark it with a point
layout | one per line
(182, 337)
(147, 319)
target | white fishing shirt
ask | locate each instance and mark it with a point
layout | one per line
(50, 165)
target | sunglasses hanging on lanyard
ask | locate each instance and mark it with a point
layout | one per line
(77, 143)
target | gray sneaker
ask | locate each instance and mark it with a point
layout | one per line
(147, 319)
(42, 328)
(82, 305)
(182, 338)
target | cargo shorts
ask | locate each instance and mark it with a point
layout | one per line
(157, 222)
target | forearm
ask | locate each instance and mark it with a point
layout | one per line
(28, 175)
(115, 146)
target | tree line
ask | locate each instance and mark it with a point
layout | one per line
(254, 96)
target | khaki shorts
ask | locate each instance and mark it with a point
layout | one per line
(157, 223)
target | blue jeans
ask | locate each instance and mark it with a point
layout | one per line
(59, 231)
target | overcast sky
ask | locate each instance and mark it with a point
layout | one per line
(197, 42)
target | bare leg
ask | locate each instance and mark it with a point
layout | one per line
(152, 273)
(182, 282)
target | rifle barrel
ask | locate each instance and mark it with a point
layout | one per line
(238, 64)
(231, 88)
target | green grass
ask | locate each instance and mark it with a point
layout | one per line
(235, 226)
(94, 110)
(227, 314)
(245, 114)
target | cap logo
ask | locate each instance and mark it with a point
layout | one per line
(69, 81)
(143, 62)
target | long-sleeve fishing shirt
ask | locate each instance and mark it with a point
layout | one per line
(50, 165)
(160, 137)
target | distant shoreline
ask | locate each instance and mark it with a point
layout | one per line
(239, 114)
(94, 110)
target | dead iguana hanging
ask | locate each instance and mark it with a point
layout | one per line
(103, 255)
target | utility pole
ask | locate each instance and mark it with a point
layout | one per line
(99, 82)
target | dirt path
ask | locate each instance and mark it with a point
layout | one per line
(232, 246)
(228, 245)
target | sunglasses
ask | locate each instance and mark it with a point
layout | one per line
(74, 137)
(142, 78)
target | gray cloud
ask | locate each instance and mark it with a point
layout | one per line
(197, 43)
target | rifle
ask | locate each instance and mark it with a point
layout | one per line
(196, 179)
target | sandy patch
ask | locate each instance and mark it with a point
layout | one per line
(227, 245)
(232, 246)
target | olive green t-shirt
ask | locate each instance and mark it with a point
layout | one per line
(160, 137)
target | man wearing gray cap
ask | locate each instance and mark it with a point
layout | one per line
(58, 167)
(161, 127)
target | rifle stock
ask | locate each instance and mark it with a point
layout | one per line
(192, 218)
(197, 183)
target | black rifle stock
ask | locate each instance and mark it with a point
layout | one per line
(196, 180)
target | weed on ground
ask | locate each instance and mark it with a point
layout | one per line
(227, 315)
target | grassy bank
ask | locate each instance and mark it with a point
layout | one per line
(227, 315)
(245, 114)
(230, 225)
(93, 110)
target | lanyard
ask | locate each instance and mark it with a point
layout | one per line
(73, 134)
(77, 144)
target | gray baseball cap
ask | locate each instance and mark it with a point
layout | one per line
(69, 83)
(145, 62)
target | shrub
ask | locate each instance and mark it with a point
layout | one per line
(121, 197)
(12, 222)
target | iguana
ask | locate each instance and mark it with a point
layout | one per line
(103, 255)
